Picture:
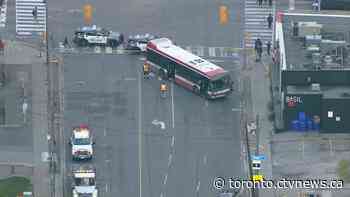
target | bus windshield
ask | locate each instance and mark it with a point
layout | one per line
(221, 83)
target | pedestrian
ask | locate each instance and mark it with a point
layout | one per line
(265, 1)
(2, 47)
(270, 3)
(269, 21)
(268, 47)
(65, 42)
(260, 3)
(258, 49)
(35, 12)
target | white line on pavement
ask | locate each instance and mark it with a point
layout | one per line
(198, 186)
(205, 159)
(165, 179)
(172, 105)
(172, 141)
(104, 132)
(106, 187)
(170, 159)
(161, 194)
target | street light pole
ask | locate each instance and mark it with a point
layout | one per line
(46, 33)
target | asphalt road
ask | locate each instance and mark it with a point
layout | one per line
(201, 139)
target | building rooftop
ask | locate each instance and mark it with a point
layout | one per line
(335, 92)
(322, 41)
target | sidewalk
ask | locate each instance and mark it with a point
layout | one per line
(258, 74)
(34, 88)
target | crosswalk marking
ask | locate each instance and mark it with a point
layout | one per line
(26, 24)
(3, 13)
(256, 22)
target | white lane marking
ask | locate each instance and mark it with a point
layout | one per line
(129, 79)
(142, 58)
(172, 105)
(170, 159)
(198, 186)
(104, 132)
(320, 15)
(205, 159)
(106, 187)
(236, 109)
(161, 194)
(206, 103)
(161, 123)
(165, 179)
(172, 141)
(140, 133)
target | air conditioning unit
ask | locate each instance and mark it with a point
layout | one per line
(315, 87)
(309, 28)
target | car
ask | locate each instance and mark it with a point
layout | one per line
(82, 143)
(96, 36)
(139, 42)
(84, 181)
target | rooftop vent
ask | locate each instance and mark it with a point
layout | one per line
(345, 94)
(315, 87)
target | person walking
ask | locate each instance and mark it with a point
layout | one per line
(268, 47)
(265, 1)
(270, 3)
(258, 49)
(260, 3)
(269, 21)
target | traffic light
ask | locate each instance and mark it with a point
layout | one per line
(87, 10)
(223, 15)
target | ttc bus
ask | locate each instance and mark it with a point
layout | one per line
(190, 71)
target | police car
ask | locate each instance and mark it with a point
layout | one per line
(96, 36)
(82, 143)
(139, 42)
(84, 181)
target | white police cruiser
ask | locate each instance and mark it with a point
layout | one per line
(96, 36)
(82, 143)
(139, 42)
(84, 181)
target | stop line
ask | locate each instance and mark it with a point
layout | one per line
(26, 23)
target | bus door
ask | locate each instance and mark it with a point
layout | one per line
(171, 71)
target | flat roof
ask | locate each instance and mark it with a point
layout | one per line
(334, 28)
(166, 46)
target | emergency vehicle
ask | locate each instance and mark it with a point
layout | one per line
(82, 143)
(96, 36)
(84, 181)
(138, 42)
(188, 70)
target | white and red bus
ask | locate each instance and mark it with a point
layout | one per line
(188, 70)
